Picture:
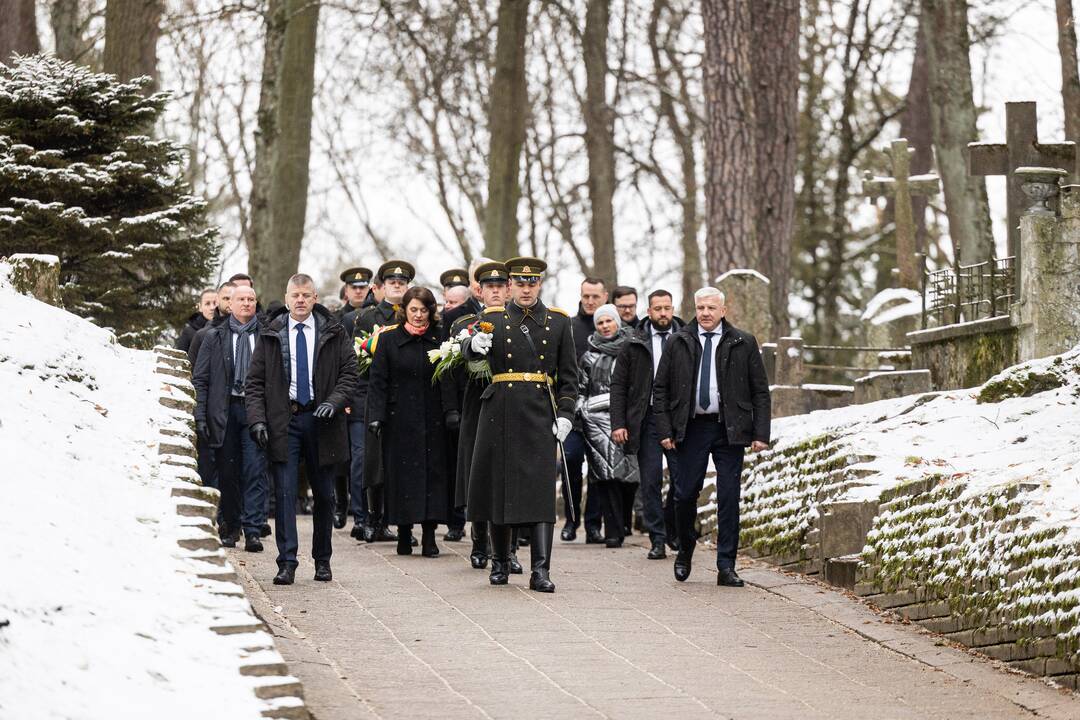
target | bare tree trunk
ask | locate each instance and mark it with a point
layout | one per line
(66, 21)
(952, 112)
(132, 28)
(506, 125)
(599, 140)
(775, 59)
(277, 250)
(18, 29)
(266, 135)
(730, 191)
(1070, 75)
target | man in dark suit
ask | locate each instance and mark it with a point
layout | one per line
(711, 399)
(221, 421)
(632, 421)
(303, 373)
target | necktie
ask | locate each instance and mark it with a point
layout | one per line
(663, 339)
(303, 387)
(706, 373)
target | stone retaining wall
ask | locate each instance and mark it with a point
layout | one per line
(257, 659)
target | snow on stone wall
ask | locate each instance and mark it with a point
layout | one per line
(975, 508)
(117, 600)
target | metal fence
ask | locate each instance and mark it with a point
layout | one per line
(973, 292)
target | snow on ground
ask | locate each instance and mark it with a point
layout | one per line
(1032, 439)
(100, 616)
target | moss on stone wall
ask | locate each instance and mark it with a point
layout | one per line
(969, 360)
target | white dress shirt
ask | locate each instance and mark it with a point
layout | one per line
(654, 335)
(309, 338)
(714, 385)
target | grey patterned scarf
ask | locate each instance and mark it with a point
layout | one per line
(243, 351)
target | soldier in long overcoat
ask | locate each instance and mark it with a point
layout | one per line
(525, 412)
(461, 393)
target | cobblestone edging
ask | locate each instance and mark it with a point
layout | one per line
(975, 567)
(281, 694)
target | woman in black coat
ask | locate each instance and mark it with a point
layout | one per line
(405, 412)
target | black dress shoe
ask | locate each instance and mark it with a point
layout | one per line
(265, 531)
(412, 540)
(286, 575)
(569, 533)
(478, 559)
(539, 581)
(727, 577)
(454, 535)
(657, 550)
(673, 543)
(404, 547)
(613, 543)
(357, 532)
(682, 569)
(252, 543)
(383, 534)
(322, 571)
(339, 520)
(515, 566)
(593, 536)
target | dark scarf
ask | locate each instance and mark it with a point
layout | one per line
(243, 351)
(611, 345)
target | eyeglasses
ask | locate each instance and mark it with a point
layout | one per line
(626, 307)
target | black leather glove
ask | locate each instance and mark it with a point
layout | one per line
(453, 419)
(260, 434)
(375, 428)
(202, 429)
(325, 411)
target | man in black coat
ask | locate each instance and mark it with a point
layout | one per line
(393, 277)
(632, 421)
(303, 373)
(524, 413)
(220, 315)
(711, 399)
(221, 422)
(203, 314)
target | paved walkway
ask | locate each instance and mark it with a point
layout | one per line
(412, 637)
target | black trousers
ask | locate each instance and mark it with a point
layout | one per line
(616, 497)
(303, 445)
(659, 516)
(707, 437)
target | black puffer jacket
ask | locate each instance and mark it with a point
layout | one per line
(195, 323)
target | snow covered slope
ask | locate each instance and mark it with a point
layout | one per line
(102, 613)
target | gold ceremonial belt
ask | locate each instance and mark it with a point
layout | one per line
(521, 377)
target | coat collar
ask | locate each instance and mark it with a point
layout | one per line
(537, 312)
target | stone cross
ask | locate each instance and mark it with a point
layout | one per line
(1020, 149)
(902, 186)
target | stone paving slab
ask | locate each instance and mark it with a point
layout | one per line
(415, 637)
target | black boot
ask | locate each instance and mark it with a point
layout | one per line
(428, 546)
(685, 514)
(481, 546)
(500, 554)
(543, 536)
(515, 565)
(404, 547)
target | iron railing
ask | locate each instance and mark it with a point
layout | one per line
(973, 292)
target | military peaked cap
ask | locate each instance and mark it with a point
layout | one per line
(358, 276)
(398, 269)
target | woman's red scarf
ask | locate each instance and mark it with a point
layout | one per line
(416, 331)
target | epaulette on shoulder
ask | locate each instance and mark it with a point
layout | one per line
(494, 309)
(560, 311)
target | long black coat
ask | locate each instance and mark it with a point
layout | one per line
(334, 378)
(414, 441)
(513, 471)
(462, 393)
(200, 335)
(744, 387)
(632, 383)
(213, 379)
